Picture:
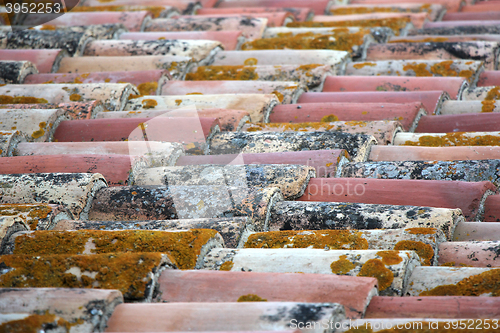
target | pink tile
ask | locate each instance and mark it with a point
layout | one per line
(489, 78)
(492, 209)
(468, 196)
(469, 122)
(474, 16)
(482, 7)
(45, 60)
(300, 14)
(475, 254)
(477, 231)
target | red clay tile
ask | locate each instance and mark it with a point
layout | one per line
(432, 100)
(287, 92)
(204, 286)
(325, 162)
(409, 153)
(45, 60)
(75, 110)
(469, 122)
(147, 82)
(489, 78)
(492, 209)
(243, 317)
(453, 86)
(230, 120)
(231, 40)
(177, 129)
(468, 196)
(406, 113)
(433, 307)
(133, 21)
(72, 305)
(473, 16)
(274, 19)
(300, 14)
(452, 24)
(473, 254)
(476, 231)
(318, 6)
(250, 28)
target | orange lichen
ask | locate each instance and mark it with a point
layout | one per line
(251, 298)
(4, 99)
(443, 68)
(349, 10)
(279, 95)
(31, 214)
(488, 106)
(421, 231)
(448, 264)
(376, 268)
(149, 103)
(363, 64)
(390, 257)
(226, 266)
(419, 69)
(34, 323)
(75, 98)
(493, 94)
(178, 102)
(184, 247)
(455, 139)
(223, 73)
(48, 27)
(38, 134)
(329, 118)
(250, 62)
(475, 285)
(148, 88)
(332, 239)
(424, 251)
(342, 266)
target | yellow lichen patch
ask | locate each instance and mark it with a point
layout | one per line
(226, 266)
(148, 88)
(127, 272)
(332, 239)
(448, 264)
(390, 257)
(149, 103)
(493, 94)
(423, 40)
(204, 73)
(251, 298)
(34, 323)
(419, 69)
(178, 102)
(424, 251)
(4, 99)
(376, 268)
(363, 64)
(443, 68)
(421, 231)
(75, 98)
(250, 62)
(40, 132)
(48, 27)
(329, 118)
(31, 214)
(455, 139)
(356, 123)
(342, 266)
(279, 95)
(184, 247)
(475, 285)
(487, 106)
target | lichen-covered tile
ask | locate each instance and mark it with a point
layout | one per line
(468, 171)
(39, 216)
(287, 92)
(470, 253)
(12, 71)
(75, 110)
(335, 59)
(231, 229)
(182, 6)
(470, 197)
(416, 19)
(9, 140)
(460, 28)
(383, 131)
(230, 40)
(25, 322)
(435, 11)
(310, 75)
(407, 114)
(433, 307)
(357, 145)
(307, 215)
(391, 268)
(318, 6)
(454, 86)
(485, 94)
(478, 50)
(157, 9)
(424, 241)
(477, 231)
(354, 293)
(230, 120)
(432, 100)
(138, 203)
(83, 310)
(474, 106)
(33, 124)
(325, 162)
(74, 192)
(415, 153)
(454, 281)
(279, 317)
(147, 82)
(113, 95)
(176, 65)
(259, 106)
(251, 28)
(274, 19)
(45, 60)
(193, 133)
(187, 248)
(201, 51)
(134, 274)
(448, 139)
(299, 14)
(292, 180)
(10, 225)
